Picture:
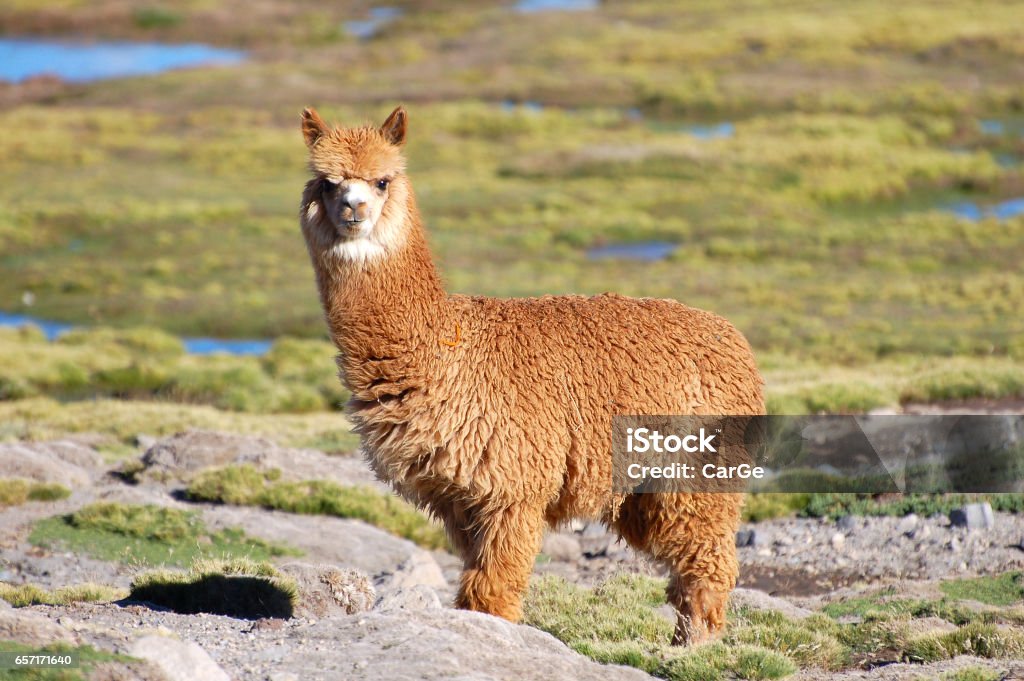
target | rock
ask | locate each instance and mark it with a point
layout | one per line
(907, 524)
(419, 597)
(64, 462)
(744, 538)
(759, 600)
(595, 540)
(31, 628)
(973, 516)
(391, 562)
(419, 568)
(442, 644)
(847, 523)
(920, 532)
(838, 540)
(563, 547)
(758, 539)
(178, 660)
(325, 590)
(183, 455)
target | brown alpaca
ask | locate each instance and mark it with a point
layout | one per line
(495, 414)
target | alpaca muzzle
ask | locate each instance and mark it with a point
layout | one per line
(355, 212)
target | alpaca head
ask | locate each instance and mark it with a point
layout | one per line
(355, 205)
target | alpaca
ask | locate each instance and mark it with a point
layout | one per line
(494, 414)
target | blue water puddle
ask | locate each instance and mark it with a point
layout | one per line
(194, 346)
(532, 6)
(969, 210)
(364, 29)
(80, 62)
(644, 251)
(992, 127)
(713, 131)
(529, 106)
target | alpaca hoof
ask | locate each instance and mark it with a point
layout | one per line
(701, 616)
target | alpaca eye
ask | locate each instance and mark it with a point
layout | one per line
(383, 184)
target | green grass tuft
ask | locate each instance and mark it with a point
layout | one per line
(29, 594)
(1004, 589)
(149, 535)
(975, 673)
(238, 587)
(15, 491)
(245, 485)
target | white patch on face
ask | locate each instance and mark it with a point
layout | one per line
(380, 234)
(359, 192)
(359, 250)
(312, 211)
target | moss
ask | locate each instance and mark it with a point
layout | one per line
(150, 535)
(246, 485)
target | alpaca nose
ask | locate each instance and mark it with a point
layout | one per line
(356, 209)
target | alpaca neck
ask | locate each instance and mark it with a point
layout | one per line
(386, 305)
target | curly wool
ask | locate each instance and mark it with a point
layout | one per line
(495, 414)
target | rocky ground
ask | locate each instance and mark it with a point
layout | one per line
(405, 630)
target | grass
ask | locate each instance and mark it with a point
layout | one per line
(298, 376)
(87, 656)
(616, 622)
(142, 363)
(147, 535)
(46, 418)
(817, 227)
(974, 673)
(29, 594)
(1005, 589)
(15, 491)
(238, 587)
(768, 505)
(245, 485)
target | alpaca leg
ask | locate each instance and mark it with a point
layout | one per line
(695, 536)
(498, 568)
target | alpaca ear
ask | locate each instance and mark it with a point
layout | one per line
(313, 127)
(394, 127)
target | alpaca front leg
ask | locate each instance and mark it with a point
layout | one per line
(498, 567)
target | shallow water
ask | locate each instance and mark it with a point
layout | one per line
(193, 345)
(529, 106)
(22, 58)
(531, 6)
(970, 210)
(711, 132)
(644, 251)
(1000, 127)
(364, 29)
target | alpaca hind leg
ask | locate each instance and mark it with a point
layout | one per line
(498, 570)
(695, 537)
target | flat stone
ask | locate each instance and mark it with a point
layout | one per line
(178, 660)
